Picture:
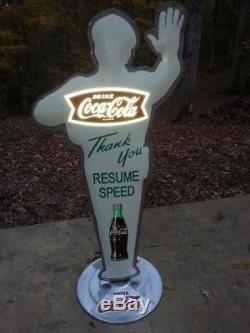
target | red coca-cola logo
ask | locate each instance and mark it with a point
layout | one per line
(107, 106)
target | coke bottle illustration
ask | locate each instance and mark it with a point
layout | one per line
(118, 235)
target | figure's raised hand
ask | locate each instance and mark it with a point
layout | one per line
(165, 38)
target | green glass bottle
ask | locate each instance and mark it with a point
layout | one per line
(118, 235)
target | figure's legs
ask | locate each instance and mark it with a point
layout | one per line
(127, 190)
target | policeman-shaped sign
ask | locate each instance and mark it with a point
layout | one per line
(108, 114)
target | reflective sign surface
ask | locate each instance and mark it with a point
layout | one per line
(107, 114)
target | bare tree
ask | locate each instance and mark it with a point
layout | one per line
(215, 16)
(241, 29)
(191, 56)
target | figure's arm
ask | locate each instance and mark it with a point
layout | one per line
(165, 42)
(53, 110)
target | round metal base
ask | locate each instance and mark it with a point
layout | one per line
(120, 302)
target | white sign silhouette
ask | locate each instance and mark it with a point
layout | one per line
(107, 114)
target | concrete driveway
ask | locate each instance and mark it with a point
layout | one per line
(202, 251)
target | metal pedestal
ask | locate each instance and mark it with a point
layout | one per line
(147, 285)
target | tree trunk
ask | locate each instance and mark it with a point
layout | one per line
(235, 70)
(211, 64)
(187, 88)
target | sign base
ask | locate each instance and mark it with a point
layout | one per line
(120, 302)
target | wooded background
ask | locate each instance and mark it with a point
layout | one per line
(200, 138)
(44, 42)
